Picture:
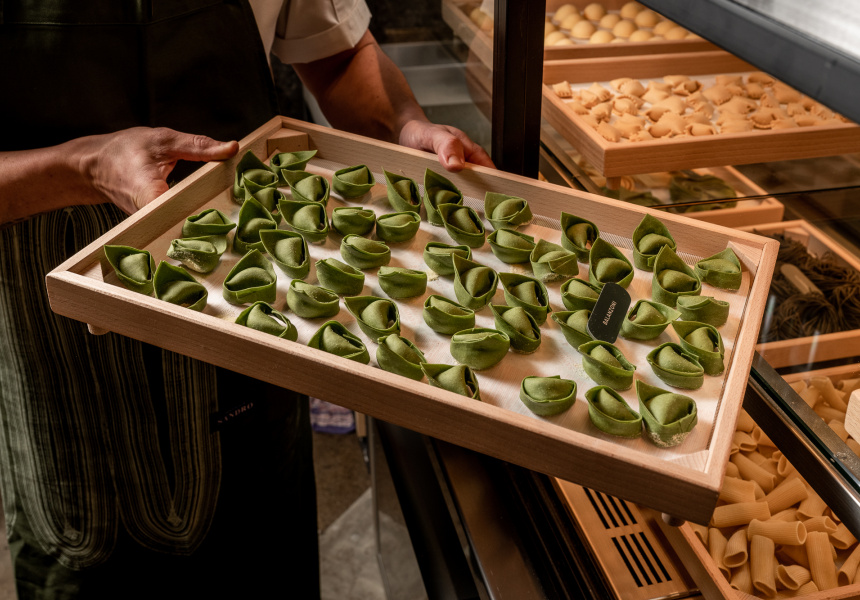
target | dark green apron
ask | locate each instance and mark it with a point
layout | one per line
(128, 471)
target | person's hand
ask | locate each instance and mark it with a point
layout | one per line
(130, 167)
(452, 146)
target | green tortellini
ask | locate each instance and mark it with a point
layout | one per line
(676, 367)
(438, 256)
(649, 237)
(722, 270)
(705, 309)
(647, 320)
(200, 254)
(438, 191)
(573, 325)
(502, 210)
(353, 220)
(606, 365)
(463, 225)
(474, 284)
(480, 347)
(253, 219)
(577, 294)
(398, 227)
(288, 250)
(519, 326)
(511, 246)
(291, 161)
(269, 199)
(310, 301)
(333, 337)
(306, 218)
(252, 175)
(447, 317)
(578, 235)
(377, 317)
(402, 192)
(307, 187)
(704, 342)
(353, 182)
(177, 286)
(399, 282)
(551, 262)
(339, 277)
(398, 355)
(611, 414)
(669, 417)
(547, 396)
(527, 292)
(134, 268)
(209, 222)
(363, 253)
(263, 317)
(673, 278)
(608, 264)
(458, 379)
(252, 278)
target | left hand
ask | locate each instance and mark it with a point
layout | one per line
(452, 146)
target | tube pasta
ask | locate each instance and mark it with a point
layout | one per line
(731, 515)
(786, 494)
(849, 385)
(848, 571)
(789, 514)
(701, 532)
(813, 506)
(744, 441)
(742, 579)
(749, 470)
(821, 565)
(763, 565)
(717, 549)
(745, 422)
(732, 469)
(792, 576)
(736, 490)
(810, 396)
(781, 532)
(794, 554)
(828, 413)
(842, 539)
(761, 438)
(821, 523)
(831, 395)
(736, 552)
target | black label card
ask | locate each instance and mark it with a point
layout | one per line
(609, 312)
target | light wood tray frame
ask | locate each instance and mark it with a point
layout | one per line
(615, 159)
(77, 289)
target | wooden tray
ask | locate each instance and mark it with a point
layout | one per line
(626, 158)
(813, 349)
(84, 288)
(456, 15)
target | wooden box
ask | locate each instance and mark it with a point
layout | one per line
(670, 154)
(813, 349)
(85, 288)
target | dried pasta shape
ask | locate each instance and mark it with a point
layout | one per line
(704, 342)
(377, 317)
(310, 301)
(654, 96)
(718, 94)
(685, 88)
(463, 225)
(209, 222)
(458, 379)
(251, 279)
(562, 89)
(340, 278)
(438, 191)
(252, 174)
(177, 286)
(504, 211)
(474, 284)
(446, 316)
(201, 254)
(397, 227)
(547, 396)
(627, 125)
(675, 367)
(722, 270)
(363, 253)
(607, 264)
(760, 77)
(754, 90)
(263, 317)
(601, 92)
(672, 104)
(578, 235)
(647, 320)
(516, 323)
(610, 413)
(402, 192)
(700, 129)
(439, 256)
(606, 365)
(399, 282)
(578, 108)
(602, 112)
(528, 293)
(632, 87)
(399, 355)
(551, 262)
(705, 309)
(783, 124)
(288, 250)
(511, 246)
(668, 417)
(253, 218)
(352, 182)
(649, 237)
(307, 218)
(333, 337)
(353, 219)
(291, 161)
(737, 125)
(672, 278)
(739, 105)
(785, 94)
(479, 348)
(577, 294)
(641, 136)
(307, 187)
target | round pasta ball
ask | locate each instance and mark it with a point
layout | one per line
(601, 37)
(583, 30)
(624, 28)
(571, 20)
(563, 11)
(663, 26)
(630, 10)
(594, 11)
(641, 35)
(564, 42)
(692, 36)
(676, 33)
(548, 28)
(609, 20)
(553, 37)
(618, 41)
(646, 18)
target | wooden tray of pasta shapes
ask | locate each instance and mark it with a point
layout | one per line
(771, 535)
(683, 111)
(800, 326)
(599, 34)
(681, 480)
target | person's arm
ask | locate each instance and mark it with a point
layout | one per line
(362, 91)
(129, 168)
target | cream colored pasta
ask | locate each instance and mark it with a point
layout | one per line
(741, 513)
(553, 37)
(762, 78)
(821, 564)
(594, 11)
(641, 35)
(736, 552)
(784, 468)
(763, 565)
(583, 30)
(602, 111)
(754, 90)
(717, 549)
(835, 398)
(821, 523)
(641, 136)
(632, 87)
(732, 470)
(624, 28)
(701, 532)
(609, 20)
(736, 490)
(562, 90)
(794, 554)
(792, 576)
(718, 94)
(742, 579)
(781, 532)
(761, 438)
(608, 132)
(601, 36)
(745, 421)
(601, 92)
(676, 33)
(750, 470)
(807, 589)
(810, 396)
(571, 20)
(849, 385)
(786, 494)
(813, 506)
(739, 105)
(848, 571)
(578, 108)
(654, 96)
(564, 10)
(631, 9)
(646, 18)
(842, 539)
(625, 106)
(789, 514)
(828, 413)
(685, 88)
